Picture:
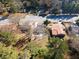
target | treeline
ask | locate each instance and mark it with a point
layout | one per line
(13, 6)
(71, 8)
(33, 6)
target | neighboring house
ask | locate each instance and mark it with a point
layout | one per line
(57, 30)
(10, 28)
(74, 29)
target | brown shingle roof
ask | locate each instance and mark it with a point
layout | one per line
(57, 29)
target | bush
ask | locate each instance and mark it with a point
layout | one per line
(5, 14)
(8, 52)
(8, 38)
(36, 50)
(46, 22)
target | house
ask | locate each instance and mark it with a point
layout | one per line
(9, 27)
(74, 29)
(57, 30)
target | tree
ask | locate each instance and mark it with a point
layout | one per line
(11, 5)
(46, 22)
(56, 6)
(57, 48)
(56, 11)
(71, 7)
(30, 5)
(1, 8)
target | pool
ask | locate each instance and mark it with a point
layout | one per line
(60, 17)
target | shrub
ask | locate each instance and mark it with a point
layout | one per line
(8, 52)
(8, 38)
(36, 50)
(46, 22)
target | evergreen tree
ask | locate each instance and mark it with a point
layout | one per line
(57, 48)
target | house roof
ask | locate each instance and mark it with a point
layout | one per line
(9, 28)
(57, 29)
